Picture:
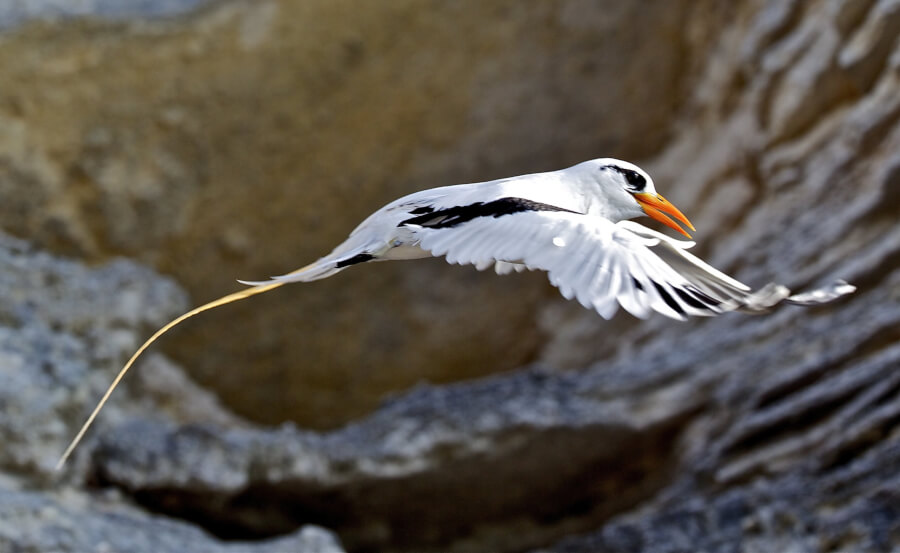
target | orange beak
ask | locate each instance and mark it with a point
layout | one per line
(660, 209)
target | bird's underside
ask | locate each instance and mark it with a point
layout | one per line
(574, 224)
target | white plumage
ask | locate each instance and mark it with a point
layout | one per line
(573, 223)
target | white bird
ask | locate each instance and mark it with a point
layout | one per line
(572, 223)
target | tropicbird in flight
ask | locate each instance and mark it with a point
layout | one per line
(573, 223)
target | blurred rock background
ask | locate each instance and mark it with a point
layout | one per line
(209, 141)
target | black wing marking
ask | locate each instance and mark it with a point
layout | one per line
(452, 216)
(358, 258)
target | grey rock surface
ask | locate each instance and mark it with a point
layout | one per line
(75, 523)
(61, 322)
(64, 328)
(18, 12)
(549, 454)
(528, 445)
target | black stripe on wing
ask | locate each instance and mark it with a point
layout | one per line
(703, 297)
(689, 295)
(358, 258)
(690, 300)
(693, 297)
(670, 301)
(452, 216)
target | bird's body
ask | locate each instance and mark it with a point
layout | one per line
(390, 234)
(573, 223)
(395, 231)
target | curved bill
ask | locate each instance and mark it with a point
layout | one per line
(660, 209)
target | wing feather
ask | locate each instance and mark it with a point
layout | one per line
(654, 273)
(602, 264)
(607, 303)
(583, 275)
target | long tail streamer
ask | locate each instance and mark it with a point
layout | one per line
(230, 298)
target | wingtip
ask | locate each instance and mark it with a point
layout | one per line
(842, 287)
(835, 290)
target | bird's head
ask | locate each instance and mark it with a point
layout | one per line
(630, 192)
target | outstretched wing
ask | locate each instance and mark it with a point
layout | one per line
(600, 263)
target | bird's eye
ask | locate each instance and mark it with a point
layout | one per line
(635, 180)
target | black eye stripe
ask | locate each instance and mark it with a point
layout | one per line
(633, 178)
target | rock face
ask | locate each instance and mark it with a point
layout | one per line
(61, 326)
(16, 13)
(774, 125)
(77, 524)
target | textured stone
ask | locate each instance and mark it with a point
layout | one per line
(61, 322)
(740, 434)
(772, 433)
(797, 448)
(64, 329)
(73, 523)
(525, 447)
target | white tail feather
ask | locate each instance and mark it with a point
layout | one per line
(316, 271)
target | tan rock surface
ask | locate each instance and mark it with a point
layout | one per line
(250, 138)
